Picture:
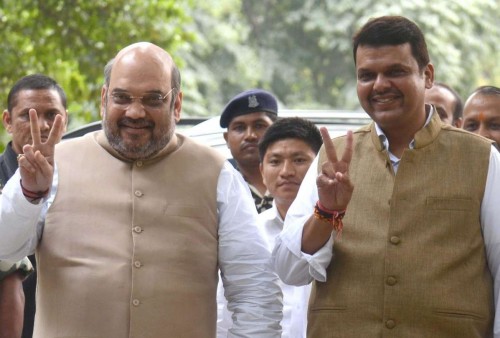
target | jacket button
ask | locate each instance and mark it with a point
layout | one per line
(137, 229)
(391, 280)
(138, 193)
(137, 264)
(390, 324)
(136, 302)
(395, 240)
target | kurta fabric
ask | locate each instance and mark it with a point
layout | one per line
(411, 258)
(8, 166)
(295, 298)
(141, 242)
(126, 219)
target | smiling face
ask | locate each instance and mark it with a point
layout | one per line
(482, 116)
(47, 104)
(138, 130)
(243, 135)
(391, 87)
(283, 168)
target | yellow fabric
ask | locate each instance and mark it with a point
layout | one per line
(411, 259)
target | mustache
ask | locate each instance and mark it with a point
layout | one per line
(135, 123)
(249, 144)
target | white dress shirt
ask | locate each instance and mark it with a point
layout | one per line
(297, 268)
(295, 298)
(251, 287)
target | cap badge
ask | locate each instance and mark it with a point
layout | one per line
(252, 101)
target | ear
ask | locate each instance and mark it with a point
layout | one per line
(178, 106)
(261, 168)
(458, 122)
(429, 75)
(7, 121)
(66, 121)
(104, 91)
(225, 136)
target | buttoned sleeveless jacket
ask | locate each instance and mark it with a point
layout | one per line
(129, 249)
(410, 261)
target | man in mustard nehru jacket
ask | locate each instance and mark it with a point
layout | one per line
(396, 243)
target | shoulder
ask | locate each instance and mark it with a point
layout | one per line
(199, 149)
(465, 137)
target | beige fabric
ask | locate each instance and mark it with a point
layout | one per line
(411, 260)
(130, 249)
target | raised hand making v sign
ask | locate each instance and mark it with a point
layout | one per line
(417, 247)
(36, 164)
(334, 191)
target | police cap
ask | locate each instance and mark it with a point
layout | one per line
(250, 101)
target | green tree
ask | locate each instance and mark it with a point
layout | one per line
(301, 49)
(72, 40)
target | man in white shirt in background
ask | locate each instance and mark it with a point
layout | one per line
(286, 151)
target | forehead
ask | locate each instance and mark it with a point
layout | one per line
(141, 72)
(486, 104)
(39, 99)
(251, 119)
(438, 94)
(288, 147)
(371, 58)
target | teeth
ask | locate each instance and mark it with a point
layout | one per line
(385, 100)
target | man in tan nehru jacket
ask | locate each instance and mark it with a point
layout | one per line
(137, 220)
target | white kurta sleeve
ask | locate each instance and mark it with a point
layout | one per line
(20, 222)
(293, 266)
(490, 222)
(251, 287)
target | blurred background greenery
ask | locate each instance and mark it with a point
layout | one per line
(298, 49)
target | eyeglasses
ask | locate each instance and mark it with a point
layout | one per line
(153, 101)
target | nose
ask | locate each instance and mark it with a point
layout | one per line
(287, 169)
(381, 83)
(135, 110)
(43, 123)
(250, 134)
(484, 131)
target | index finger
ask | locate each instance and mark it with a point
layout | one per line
(330, 151)
(56, 131)
(35, 129)
(347, 155)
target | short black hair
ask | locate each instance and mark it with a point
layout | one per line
(291, 128)
(34, 82)
(459, 105)
(393, 31)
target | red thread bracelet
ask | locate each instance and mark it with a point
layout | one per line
(33, 194)
(333, 217)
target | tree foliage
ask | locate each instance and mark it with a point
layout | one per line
(72, 40)
(306, 45)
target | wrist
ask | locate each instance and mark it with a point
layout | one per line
(33, 196)
(334, 217)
